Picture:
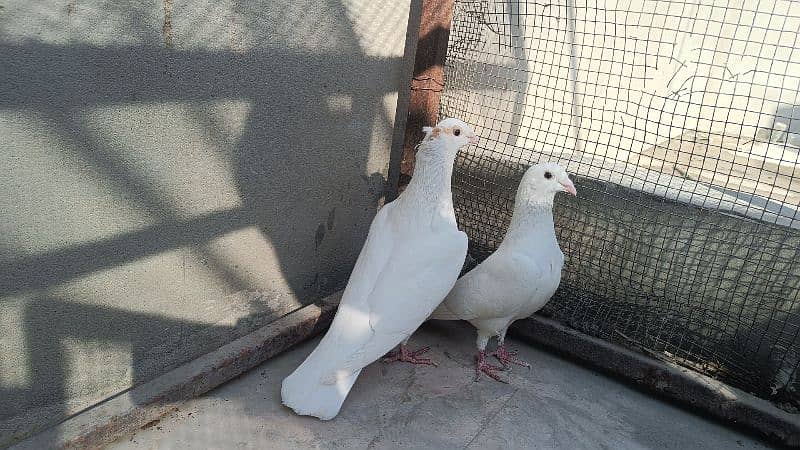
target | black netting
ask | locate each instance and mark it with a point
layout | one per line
(680, 123)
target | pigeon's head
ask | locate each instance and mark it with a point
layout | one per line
(543, 181)
(453, 133)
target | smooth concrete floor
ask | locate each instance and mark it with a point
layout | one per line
(556, 405)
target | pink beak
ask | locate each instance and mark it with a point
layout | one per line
(473, 139)
(569, 187)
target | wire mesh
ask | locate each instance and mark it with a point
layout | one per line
(681, 123)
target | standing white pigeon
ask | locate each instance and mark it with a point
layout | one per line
(520, 276)
(410, 261)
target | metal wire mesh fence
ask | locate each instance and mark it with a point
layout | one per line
(680, 121)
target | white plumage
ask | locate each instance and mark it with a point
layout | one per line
(410, 261)
(520, 276)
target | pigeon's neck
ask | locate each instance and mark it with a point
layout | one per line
(533, 216)
(433, 170)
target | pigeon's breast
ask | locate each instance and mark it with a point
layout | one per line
(542, 281)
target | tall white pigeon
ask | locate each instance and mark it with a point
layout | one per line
(410, 261)
(520, 276)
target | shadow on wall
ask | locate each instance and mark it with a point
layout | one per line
(301, 163)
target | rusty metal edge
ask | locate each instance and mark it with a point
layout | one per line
(128, 412)
(689, 388)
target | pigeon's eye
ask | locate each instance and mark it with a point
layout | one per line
(548, 175)
(456, 132)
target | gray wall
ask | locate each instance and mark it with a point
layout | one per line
(175, 173)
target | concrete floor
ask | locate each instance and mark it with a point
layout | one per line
(556, 405)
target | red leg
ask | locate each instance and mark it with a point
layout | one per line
(404, 355)
(488, 369)
(508, 357)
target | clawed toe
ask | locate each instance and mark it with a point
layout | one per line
(483, 367)
(403, 355)
(507, 357)
(421, 351)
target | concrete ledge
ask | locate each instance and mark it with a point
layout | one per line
(671, 381)
(143, 404)
(132, 410)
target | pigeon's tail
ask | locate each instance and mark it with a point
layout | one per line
(309, 395)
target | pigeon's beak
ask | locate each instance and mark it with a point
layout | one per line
(569, 187)
(473, 139)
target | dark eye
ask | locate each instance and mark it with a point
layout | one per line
(548, 175)
(456, 132)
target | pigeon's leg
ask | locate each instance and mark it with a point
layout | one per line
(481, 364)
(507, 357)
(403, 354)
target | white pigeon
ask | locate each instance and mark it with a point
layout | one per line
(520, 276)
(410, 261)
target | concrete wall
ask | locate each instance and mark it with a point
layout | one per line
(175, 173)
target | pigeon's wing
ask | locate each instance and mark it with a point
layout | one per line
(444, 312)
(417, 278)
(350, 329)
(485, 290)
(414, 280)
(464, 300)
(457, 303)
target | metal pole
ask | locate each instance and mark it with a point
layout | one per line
(428, 80)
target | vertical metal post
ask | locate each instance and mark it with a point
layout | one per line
(428, 80)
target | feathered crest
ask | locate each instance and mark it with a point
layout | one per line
(428, 131)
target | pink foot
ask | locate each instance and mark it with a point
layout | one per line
(508, 357)
(488, 369)
(404, 355)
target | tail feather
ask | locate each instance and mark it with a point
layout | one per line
(307, 395)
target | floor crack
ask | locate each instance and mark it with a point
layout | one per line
(490, 418)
